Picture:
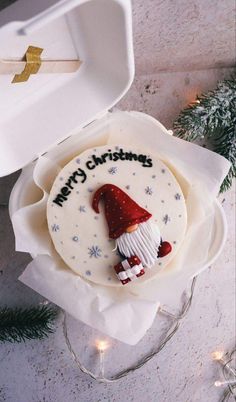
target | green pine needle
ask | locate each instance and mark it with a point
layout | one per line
(224, 143)
(213, 118)
(19, 324)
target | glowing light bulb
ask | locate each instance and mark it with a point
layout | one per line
(217, 355)
(102, 345)
(220, 383)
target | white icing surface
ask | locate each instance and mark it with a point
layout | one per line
(80, 235)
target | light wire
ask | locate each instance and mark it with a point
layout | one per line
(231, 384)
(167, 337)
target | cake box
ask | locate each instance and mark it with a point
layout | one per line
(60, 114)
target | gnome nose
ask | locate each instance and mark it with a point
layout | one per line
(131, 228)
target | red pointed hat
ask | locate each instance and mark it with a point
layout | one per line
(120, 210)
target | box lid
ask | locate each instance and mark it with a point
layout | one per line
(38, 114)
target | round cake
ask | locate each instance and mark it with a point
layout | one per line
(116, 215)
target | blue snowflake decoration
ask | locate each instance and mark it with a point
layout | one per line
(177, 196)
(90, 190)
(55, 227)
(78, 161)
(166, 219)
(113, 170)
(61, 178)
(82, 208)
(88, 273)
(95, 252)
(148, 190)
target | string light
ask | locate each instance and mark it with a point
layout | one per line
(44, 303)
(217, 355)
(195, 101)
(102, 345)
(228, 371)
(220, 383)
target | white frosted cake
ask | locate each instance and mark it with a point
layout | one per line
(116, 215)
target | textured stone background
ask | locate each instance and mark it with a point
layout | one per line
(183, 35)
(181, 48)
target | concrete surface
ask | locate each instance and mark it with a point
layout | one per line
(181, 48)
(182, 35)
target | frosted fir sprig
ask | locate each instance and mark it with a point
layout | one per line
(212, 117)
(20, 324)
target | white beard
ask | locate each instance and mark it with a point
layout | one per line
(144, 242)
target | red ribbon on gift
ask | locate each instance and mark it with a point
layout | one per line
(129, 269)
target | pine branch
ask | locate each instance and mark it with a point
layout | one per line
(212, 109)
(213, 118)
(224, 143)
(19, 324)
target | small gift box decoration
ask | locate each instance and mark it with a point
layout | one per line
(129, 269)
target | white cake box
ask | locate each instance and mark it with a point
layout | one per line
(50, 107)
(60, 115)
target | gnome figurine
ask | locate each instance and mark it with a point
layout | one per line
(137, 236)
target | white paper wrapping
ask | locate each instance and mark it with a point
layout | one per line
(118, 312)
